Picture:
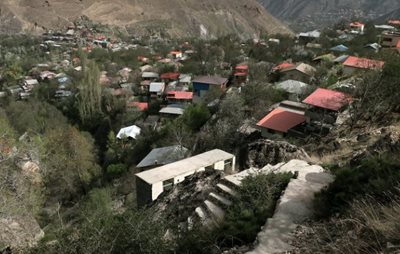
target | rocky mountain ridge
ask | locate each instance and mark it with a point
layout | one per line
(305, 14)
(208, 18)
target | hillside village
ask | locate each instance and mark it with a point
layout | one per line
(179, 126)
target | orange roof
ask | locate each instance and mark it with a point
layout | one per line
(178, 95)
(328, 99)
(356, 24)
(175, 52)
(141, 105)
(363, 63)
(281, 120)
(283, 66)
(398, 45)
(170, 75)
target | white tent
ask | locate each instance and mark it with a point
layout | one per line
(129, 132)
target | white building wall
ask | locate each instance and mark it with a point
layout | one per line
(219, 165)
(156, 190)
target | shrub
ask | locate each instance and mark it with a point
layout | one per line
(195, 117)
(116, 169)
(255, 203)
(375, 177)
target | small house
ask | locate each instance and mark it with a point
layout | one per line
(326, 104)
(172, 111)
(301, 72)
(202, 84)
(141, 106)
(150, 76)
(353, 64)
(390, 39)
(241, 72)
(339, 48)
(163, 156)
(179, 97)
(170, 76)
(176, 54)
(156, 89)
(29, 84)
(357, 27)
(280, 121)
(308, 37)
(294, 88)
(130, 132)
(152, 183)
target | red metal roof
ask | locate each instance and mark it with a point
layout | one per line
(170, 75)
(281, 120)
(398, 45)
(141, 105)
(394, 22)
(242, 67)
(328, 99)
(356, 24)
(178, 95)
(283, 66)
(175, 52)
(363, 63)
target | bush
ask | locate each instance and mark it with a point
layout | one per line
(375, 177)
(116, 169)
(196, 116)
(255, 203)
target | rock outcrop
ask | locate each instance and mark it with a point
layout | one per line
(264, 152)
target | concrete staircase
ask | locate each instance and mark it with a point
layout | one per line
(212, 211)
(294, 206)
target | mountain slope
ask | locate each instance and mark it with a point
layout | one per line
(177, 17)
(391, 15)
(301, 14)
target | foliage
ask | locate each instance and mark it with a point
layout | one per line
(34, 116)
(195, 116)
(256, 202)
(368, 227)
(100, 231)
(68, 163)
(114, 170)
(376, 177)
(90, 93)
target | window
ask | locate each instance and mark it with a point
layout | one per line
(168, 184)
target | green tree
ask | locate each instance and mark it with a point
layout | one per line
(90, 93)
(195, 116)
(68, 163)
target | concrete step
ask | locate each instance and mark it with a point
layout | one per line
(220, 200)
(225, 190)
(190, 223)
(201, 214)
(214, 210)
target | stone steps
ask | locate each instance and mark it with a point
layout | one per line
(219, 200)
